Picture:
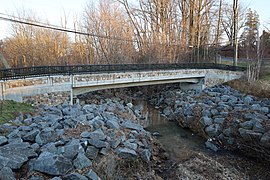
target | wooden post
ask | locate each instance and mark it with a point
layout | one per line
(71, 90)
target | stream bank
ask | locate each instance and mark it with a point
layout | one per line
(175, 153)
(187, 154)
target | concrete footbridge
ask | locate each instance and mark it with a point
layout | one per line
(17, 83)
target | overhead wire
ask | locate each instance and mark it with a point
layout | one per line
(57, 28)
(34, 23)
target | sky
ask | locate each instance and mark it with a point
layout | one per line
(53, 10)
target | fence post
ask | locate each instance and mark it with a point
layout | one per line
(71, 89)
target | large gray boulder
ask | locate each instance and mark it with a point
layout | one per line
(97, 122)
(206, 113)
(115, 142)
(258, 127)
(225, 98)
(46, 135)
(206, 121)
(265, 140)
(247, 124)
(89, 108)
(256, 107)
(31, 136)
(91, 152)
(98, 143)
(3, 140)
(36, 177)
(248, 99)
(97, 135)
(131, 144)
(14, 134)
(131, 125)
(249, 116)
(219, 120)
(7, 174)
(74, 176)
(126, 153)
(145, 155)
(227, 132)
(167, 111)
(14, 155)
(56, 178)
(113, 124)
(71, 149)
(214, 112)
(81, 161)
(53, 164)
(53, 110)
(92, 175)
(25, 128)
(213, 130)
(28, 121)
(49, 147)
(264, 110)
(6, 128)
(210, 145)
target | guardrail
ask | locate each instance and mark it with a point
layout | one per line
(20, 73)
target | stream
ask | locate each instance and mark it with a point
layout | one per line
(187, 150)
(179, 143)
(182, 145)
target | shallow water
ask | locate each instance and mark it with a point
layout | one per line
(178, 142)
(181, 144)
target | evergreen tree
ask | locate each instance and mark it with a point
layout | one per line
(249, 35)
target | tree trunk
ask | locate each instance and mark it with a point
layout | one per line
(199, 30)
(235, 31)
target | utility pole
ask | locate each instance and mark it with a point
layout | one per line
(258, 53)
(235, 29)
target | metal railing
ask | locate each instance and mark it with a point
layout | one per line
(20, 73)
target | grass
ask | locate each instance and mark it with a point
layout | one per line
(265, 73)
(230, 62)
(10, 109)
(265, 78)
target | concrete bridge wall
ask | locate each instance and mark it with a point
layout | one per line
(82, 83)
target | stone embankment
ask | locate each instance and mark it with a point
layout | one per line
(71, 142)
(224, 116)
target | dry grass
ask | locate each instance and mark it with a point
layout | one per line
(112, 167)
(76, 132)
(260, 88)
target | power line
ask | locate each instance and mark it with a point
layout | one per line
(15, 19)
(32, 21)
(57, 28)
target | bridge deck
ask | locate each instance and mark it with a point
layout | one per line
(20, 73)
(17, 83)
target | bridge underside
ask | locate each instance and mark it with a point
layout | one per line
(82, 90)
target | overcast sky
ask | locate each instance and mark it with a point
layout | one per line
(53, 10)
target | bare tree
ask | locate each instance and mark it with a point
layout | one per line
(32, 46)
(113, 43)
(148, 31)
